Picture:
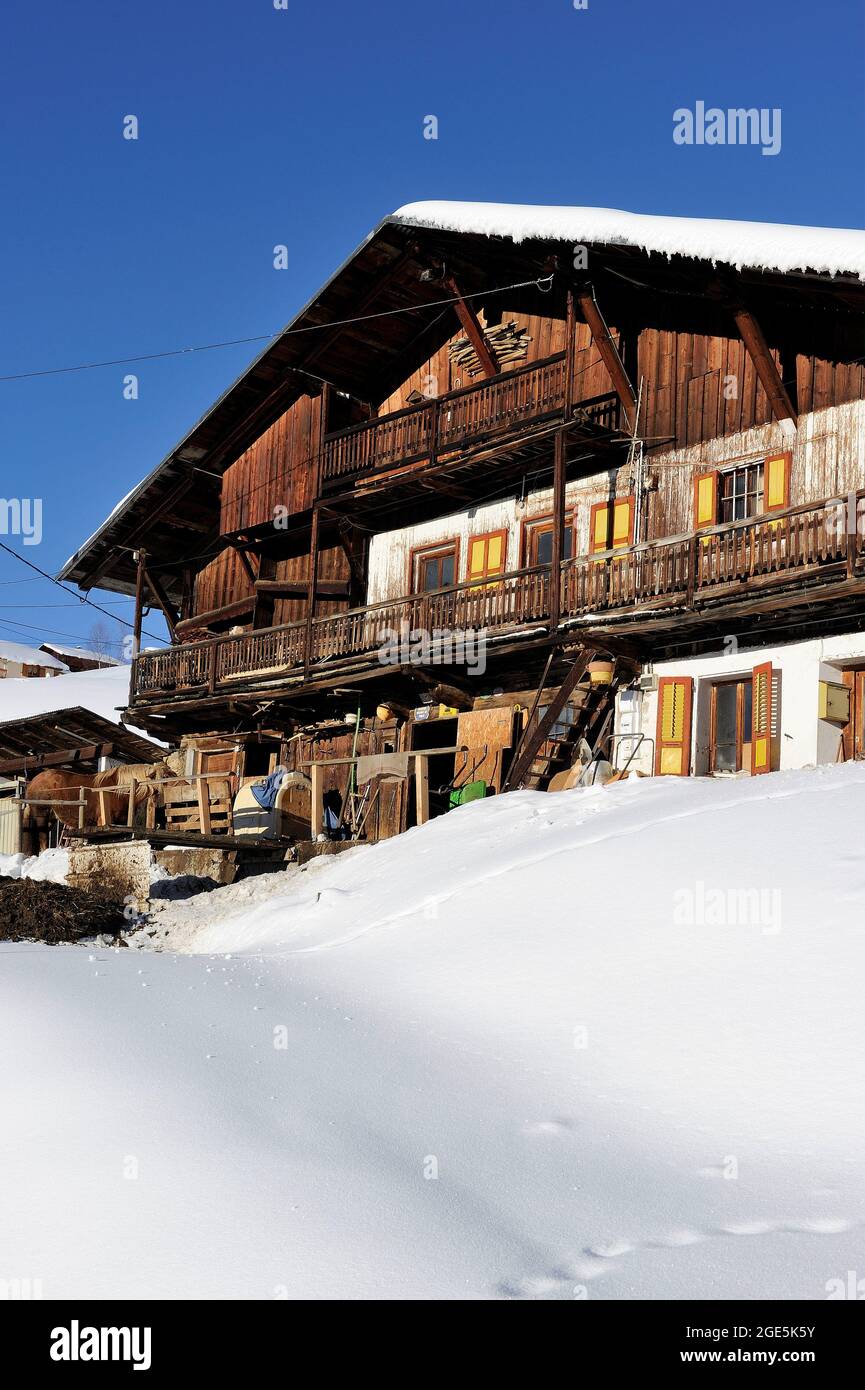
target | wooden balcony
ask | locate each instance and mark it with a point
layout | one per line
(497, 408)
(660, 585)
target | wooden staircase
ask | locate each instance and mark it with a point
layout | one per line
(540, 754)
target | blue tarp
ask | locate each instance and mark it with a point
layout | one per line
(266, 792)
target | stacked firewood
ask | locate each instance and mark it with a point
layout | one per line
(509, 343)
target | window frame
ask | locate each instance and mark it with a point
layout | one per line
(450, 545)
(747, 466)
(534, 526)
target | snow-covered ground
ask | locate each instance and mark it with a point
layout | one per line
(52, 865)
(607, 1044)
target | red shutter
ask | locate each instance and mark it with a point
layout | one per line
(673, 741)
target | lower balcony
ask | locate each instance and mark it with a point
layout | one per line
(816, 550)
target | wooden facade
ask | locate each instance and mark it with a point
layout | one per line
(445, 387)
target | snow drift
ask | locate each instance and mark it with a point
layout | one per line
(600, 1044)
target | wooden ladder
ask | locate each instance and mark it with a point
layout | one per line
(537, 731)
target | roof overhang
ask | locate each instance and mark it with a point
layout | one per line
(398, 320)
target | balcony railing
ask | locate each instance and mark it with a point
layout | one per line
(722, 564)
(499, 405)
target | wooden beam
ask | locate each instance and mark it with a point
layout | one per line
(141, 559)
(421, 787)
(168, 609)
(311, 588)
(238, 609)
(356, 555)
(88, 752)
(298, 588)
(244, 559)
(764, 363)
(608, 351)
(316, 800)
(475, 334)
(558, 529)
(369, 298)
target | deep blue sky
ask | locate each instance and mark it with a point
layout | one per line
(304, 126)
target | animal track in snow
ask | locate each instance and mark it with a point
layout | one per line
(600, 1258)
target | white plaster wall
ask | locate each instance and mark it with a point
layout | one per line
(828, 460)
(805, 739)
(389, 552)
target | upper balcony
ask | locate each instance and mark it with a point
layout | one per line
(510, 411)
(665, 590)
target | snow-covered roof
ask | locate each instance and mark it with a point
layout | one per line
(777, 246)
(104, 691)
(83, 653)
(28, 656)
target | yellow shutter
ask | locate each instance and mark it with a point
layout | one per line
(600, 524)
(705, 500)
(477, 557)
(487, 555)
(776, 482)
(623, 512)
(762, 718)
(673, 737)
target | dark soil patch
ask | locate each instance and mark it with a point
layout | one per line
(34, 911)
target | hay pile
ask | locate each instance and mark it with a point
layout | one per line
(32, 910)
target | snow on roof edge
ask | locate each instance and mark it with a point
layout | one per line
(777, 246)
(29, 656)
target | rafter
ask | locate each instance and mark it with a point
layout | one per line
(475, 334)
(608, 351)
(764, 364)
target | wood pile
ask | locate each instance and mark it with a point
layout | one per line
(509, 343)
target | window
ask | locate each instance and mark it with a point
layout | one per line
(731, 713)
(740, 492)
(538, 540)
(434, 567)
(487, 555)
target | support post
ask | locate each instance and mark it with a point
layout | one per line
(138, 619)
(421, 787)
(558, 530)
(311, 587)
(316, 799)
(570, 353)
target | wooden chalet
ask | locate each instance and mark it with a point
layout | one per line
(625, 455)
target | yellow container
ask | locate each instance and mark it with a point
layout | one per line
(601, 672)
